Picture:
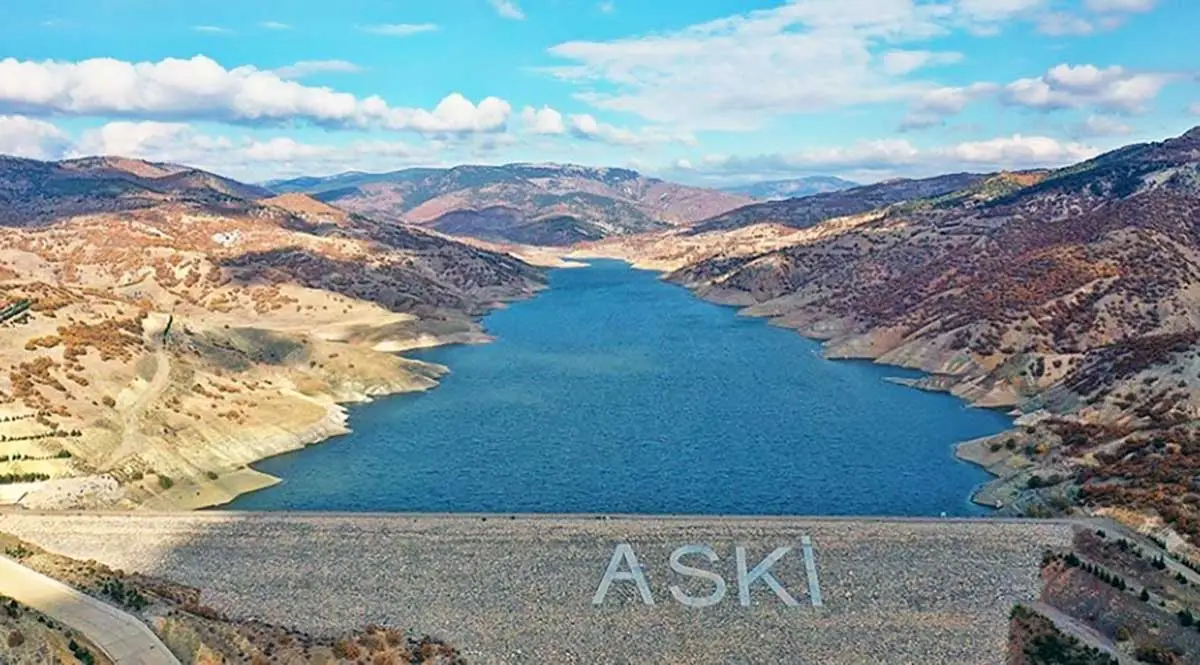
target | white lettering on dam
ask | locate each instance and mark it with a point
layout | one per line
(624, 566)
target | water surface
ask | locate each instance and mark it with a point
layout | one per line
(616, 392)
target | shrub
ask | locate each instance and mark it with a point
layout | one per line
(15, 639)
(165, 482)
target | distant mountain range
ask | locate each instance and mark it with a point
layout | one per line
(772, 190)
(545, 204)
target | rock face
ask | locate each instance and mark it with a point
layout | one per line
(1069, 294)
(167, 342)
(546, 204)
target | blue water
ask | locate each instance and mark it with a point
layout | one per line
(616, 392)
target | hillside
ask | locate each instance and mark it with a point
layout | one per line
(772, 190)
(809, 210)
(1071, 295)
(547, 204)
(34, 192)
(153, 347)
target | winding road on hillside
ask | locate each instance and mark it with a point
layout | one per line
(122, 637)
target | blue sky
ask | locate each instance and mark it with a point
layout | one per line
(705, 91)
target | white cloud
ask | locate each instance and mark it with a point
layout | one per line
(1099, 125)
(952, 100)
(1065, 86)
(585, 126)
(399, 29)
(304, 68)
(1129, 6)
(245, 157)
(807, 56)
(901, 62)
(139, 139)
(1194, 108)
(933, 106)
(274, 25)
(201, 89)
(898, 157)
(1061, 24)
(27, 137)
(212, 29)
(543, 121)
(507, 9)
(606, 7)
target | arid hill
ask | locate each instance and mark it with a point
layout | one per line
(808, 210)
(153, 347)
(34, 192)
(1071, 295)
(524, 203)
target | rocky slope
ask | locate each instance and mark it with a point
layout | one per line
(1071, 295)
(533, 204)
(772, 190)
(148, 355)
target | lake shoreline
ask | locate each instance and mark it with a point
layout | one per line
(971, 451)
(270, 480)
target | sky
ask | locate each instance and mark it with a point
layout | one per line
(710, 92)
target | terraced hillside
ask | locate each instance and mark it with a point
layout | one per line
(167, 343)
(546, 204)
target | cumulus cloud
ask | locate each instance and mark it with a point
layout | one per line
(542, 121)
(246, 157)
(27, 137)
(895, 157)
(200, 88)
(1065, 86)
(304, 68)
(399, 29)
(507, 9)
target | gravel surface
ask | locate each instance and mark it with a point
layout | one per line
(520, 590)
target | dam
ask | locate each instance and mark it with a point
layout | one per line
(527, 588)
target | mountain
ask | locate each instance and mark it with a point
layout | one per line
(34, 192)
(809, 210)
(163, 327)
(539, 204)
(1070, 295)
(772, 190)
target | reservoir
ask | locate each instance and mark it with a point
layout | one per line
(616, 392)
